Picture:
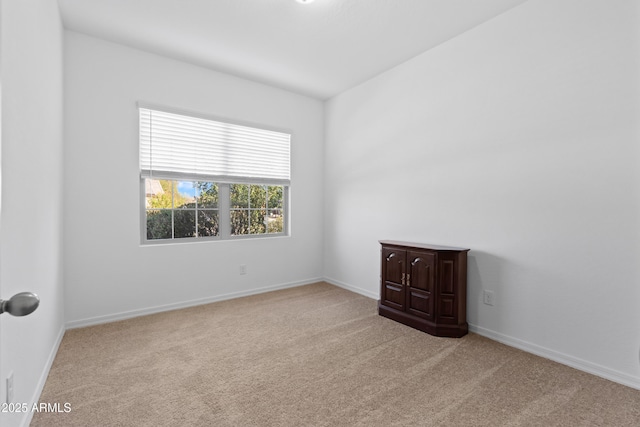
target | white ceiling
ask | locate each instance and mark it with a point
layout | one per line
(319, 49)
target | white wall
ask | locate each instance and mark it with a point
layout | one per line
(31, 220)
(519, 140)
(108, 274)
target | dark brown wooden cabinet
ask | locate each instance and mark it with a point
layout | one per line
(425, 287)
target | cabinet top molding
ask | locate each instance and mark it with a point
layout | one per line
(421, 246)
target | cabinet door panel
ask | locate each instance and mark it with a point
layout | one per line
(420, 304)
(446, 269)
(447, 309)
(393, 265)
(421, 268)
(393, 296)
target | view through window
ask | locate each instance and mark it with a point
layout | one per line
(180, 209)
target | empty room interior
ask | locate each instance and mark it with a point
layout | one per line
(243, 287)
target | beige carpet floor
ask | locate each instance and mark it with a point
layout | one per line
(316, 355)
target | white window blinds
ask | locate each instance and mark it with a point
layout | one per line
(178, 146)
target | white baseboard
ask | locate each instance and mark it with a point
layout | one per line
(43, 378)
(372, 295)
(574, 362)
(90, 321)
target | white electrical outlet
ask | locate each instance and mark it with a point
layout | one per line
(488, 297)
(243, 269)
(10, 387)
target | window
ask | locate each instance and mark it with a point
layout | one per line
(256, 209)
(205, 179)
(179, 209)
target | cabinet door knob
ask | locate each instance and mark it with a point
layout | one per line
(409, 279)
(403, 277)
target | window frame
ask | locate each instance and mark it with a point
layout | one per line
(224, 183)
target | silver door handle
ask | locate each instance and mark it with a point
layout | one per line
(20, 304)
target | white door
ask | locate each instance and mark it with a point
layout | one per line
(2, 384)
(1, 289)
